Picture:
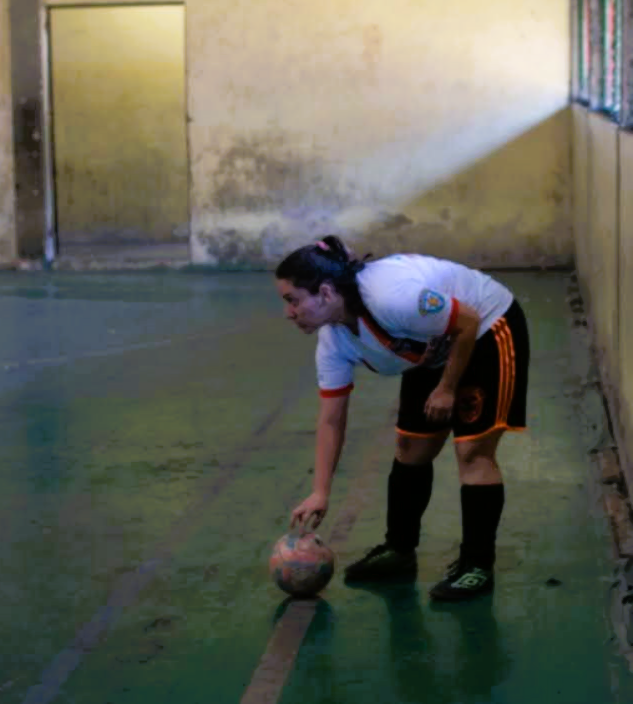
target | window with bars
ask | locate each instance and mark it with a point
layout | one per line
(583, 49)
(611, 22)
(599, 55)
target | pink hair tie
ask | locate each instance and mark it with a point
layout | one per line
(323, 246)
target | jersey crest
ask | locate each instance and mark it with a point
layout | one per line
(431, 302)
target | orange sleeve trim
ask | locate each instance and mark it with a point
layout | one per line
(452, 321)
(336, 393)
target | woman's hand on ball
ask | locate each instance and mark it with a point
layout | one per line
(315, 506)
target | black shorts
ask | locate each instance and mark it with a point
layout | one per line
(491, 394)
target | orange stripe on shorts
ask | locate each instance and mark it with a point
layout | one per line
(507, 369)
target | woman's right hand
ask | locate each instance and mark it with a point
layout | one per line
(315, 506)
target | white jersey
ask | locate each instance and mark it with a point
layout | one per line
(413, 303)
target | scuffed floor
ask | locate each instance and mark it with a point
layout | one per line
(156, 431)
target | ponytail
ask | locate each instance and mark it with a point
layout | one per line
(329, 260)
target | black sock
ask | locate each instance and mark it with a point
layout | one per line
(409, 493)
(482, 506)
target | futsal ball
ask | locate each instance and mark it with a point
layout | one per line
(301, 565)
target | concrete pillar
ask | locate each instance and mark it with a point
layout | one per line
(27, 89)
(8, 244)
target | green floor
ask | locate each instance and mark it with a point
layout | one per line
(156, 432)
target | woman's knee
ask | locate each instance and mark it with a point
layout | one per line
(417, 450)
(477, 459)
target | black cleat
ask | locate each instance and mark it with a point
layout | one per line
(463, 581)
(383, 563)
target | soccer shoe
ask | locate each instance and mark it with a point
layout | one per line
(383, 563)
(463, 581)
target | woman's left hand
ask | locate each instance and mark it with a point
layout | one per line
(439, 405)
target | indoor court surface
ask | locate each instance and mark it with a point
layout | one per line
(157, 430)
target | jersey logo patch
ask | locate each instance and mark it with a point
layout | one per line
(431, 302)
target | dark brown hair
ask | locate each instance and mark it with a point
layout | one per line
(326, 261)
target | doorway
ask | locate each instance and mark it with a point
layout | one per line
(118, 128)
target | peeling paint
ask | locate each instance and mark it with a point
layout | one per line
(270, 170)
(278, 192)
(306, 120)
(263, 240)
(319, 118)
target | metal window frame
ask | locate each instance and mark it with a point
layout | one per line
(580, 60)
(626, 112)
(619, 105)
